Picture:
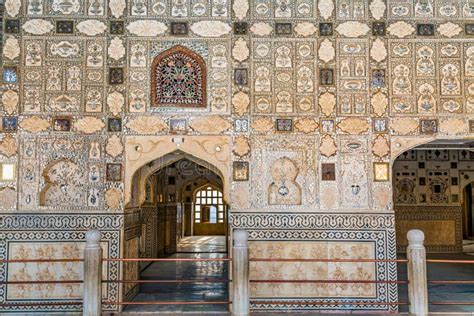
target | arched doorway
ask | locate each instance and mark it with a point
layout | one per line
(432, 191)
(183, 214)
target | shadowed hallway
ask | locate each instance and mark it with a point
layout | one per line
(189, 247)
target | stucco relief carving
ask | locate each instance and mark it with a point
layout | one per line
(8, 146)
(306, 125)
(210, 28)
(240, 8)
(91, 27)
(241, 102)
(10, 100)
(38, 26)
(147, 125)
(305, 29)
(404, 126)
(354, 125)
(11, 48)
(377, 8)
(210, 125)
(35, 124)
(63, 184)
(352, 29)
(284, 190)
(261, 29)
(240, 51)
(89, 125)
(113, 198)
(146, 28)
(114, 146)
(262, 125)
(400, 29)
(241, 146)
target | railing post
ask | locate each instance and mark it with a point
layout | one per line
(240, 274)
(92, 300)
(418, 284)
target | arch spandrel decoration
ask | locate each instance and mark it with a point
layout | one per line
(178, 79)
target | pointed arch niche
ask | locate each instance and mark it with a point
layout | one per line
(212, 152)
(178, 79)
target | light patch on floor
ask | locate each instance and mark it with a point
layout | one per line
(202, 244)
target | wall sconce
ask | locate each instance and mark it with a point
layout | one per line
(177, 140)
(355, 189)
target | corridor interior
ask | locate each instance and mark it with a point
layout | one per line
(433, 192)
(185, 217)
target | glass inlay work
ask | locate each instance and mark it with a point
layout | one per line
(178, 79)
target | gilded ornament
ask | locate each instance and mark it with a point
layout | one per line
(146, 125)
(8, 146)
(378, 52)
(10, 100)
(261, 29)
(262, 125)
(328, 146)
(379, 103)
(352, 29)
(11, 48)
(113, 198)
(377, 8)
(114, 146)
(449, 29)
(326, 51)
(213, 124)
(400, 29)
(354, 125)
(115, 102)
(34, 124)
(240, 51)
(89, 125)
(305, 29)
(91, 27)
(147, 28)
(38, 26)
(240, 8)
(210, 28)
(380, 146)
(116, 49)
(404, 126)
(326, 7)
(241, 102)
(241, 146)
(327, 102)
(306, 125)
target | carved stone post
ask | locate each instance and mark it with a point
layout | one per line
(92, 300)
(240, 274)
(418, 285)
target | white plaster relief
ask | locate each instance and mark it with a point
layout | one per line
(210, 28)
(147, 28)
(38, 26)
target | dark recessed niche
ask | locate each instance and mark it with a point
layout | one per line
(115, 75)
(65, 27)
(325, 29)
(283, 28)
(240, 28)
(179, 28)
(378, 28)
(425, 29)
(12, 26)
(114, 124)
(117, 27)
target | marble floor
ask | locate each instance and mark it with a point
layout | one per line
(202, 244)
(190, 247)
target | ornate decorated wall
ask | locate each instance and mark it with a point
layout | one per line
(307, 102)
(428, 195)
